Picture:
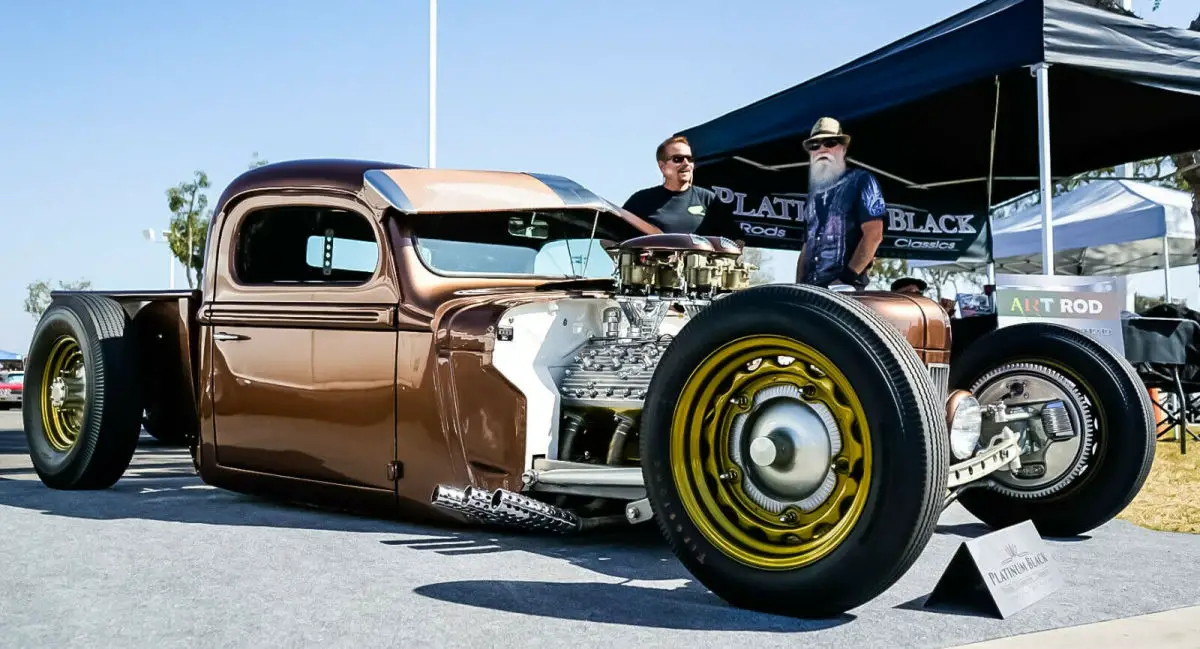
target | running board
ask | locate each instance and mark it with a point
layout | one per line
(582, 479)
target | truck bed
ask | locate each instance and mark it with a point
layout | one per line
(168, 355)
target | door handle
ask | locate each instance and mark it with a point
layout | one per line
(224, 335)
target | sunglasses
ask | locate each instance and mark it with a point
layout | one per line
(827, 143)
(680, 159)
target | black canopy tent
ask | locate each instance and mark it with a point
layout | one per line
(961, 116)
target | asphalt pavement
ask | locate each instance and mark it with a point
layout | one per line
(162, 560)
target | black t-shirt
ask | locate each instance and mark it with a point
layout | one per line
(671, 211)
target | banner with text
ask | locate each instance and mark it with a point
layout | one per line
(776, 221)
(1090, 304)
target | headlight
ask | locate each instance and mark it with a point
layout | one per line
(966, 422)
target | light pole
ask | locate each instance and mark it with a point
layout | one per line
(432, 83)
(153, 237)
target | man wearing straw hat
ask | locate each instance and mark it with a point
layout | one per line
(843, 213)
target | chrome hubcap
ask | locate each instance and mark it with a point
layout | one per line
(67, 390)
(786, 446)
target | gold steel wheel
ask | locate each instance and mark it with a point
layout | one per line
(62, 392)
(770, 452)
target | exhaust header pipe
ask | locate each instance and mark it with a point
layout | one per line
(507, 508)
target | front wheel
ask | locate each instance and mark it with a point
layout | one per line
(1084, 421)
(793, 451)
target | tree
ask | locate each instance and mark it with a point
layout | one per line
(754, 257)
(190, 216)
(886, 271)
(38, 298)
(189, 223)
(940, 277)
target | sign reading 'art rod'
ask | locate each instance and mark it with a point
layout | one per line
(1090, 304)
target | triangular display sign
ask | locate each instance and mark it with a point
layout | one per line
(998, 573)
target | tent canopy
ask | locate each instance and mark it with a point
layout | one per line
(1104, 227)
(921, 111)
(9, 356)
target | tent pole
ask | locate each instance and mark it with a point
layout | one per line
(1041, 71)
(991, 264)
(1167, 268)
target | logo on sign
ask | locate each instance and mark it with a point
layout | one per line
(762, 231)
(900, 220)
(924, 244)
(1055, 306)
(778, 220)
(769, 207)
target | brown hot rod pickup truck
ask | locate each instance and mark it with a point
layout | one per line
(509, 348)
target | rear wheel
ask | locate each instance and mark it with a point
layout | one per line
(1085, 424)
(82, 412)
(159, 426)
(793, 451)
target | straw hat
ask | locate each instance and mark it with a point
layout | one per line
(827, 127)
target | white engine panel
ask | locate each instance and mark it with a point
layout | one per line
(537, 344)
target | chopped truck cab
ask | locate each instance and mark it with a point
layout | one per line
(498, 348)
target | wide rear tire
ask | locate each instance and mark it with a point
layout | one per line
(1105, 469)
(82, 414)
(719, 384)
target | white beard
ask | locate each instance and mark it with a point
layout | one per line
(824, 172)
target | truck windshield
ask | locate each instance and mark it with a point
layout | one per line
(558, 244)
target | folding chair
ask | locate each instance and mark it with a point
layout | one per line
(1158, 349)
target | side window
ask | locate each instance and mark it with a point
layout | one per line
(305, 245)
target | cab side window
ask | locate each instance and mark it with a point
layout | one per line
(305, 245)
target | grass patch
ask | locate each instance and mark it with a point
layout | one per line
(1170, 500)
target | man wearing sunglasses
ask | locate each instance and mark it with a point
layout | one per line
(676, 205)
(843, 213)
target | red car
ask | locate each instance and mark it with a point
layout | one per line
(12, 385)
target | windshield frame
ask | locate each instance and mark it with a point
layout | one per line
(613, 223)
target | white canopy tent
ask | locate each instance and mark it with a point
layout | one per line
(1104, 227)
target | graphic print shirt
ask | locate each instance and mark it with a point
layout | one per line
(671, 211)
(834, 219)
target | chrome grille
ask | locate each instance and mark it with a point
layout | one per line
(940, 373)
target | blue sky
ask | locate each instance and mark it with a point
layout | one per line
(104, 105)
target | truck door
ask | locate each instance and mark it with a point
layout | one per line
(303, 322)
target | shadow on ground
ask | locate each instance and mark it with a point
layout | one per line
(163, 487)
(690, 607)
(636, 555)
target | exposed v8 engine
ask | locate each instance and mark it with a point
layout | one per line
(680, 265)
(656, 273)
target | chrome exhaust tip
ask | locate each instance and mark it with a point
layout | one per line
(460, 501)
(506, 508)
